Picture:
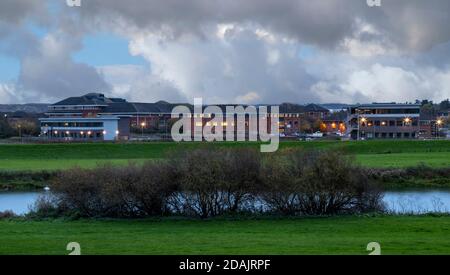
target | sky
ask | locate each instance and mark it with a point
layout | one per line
(233, 51)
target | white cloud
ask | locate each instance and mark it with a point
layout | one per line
(7, 93)
(249, 98)
(137, 83)
(237, 50)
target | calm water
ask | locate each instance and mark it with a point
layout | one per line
(412, 201)
(418, 201)
(18, 202)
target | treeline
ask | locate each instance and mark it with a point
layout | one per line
(418, 176)
(24, 127)
(213, 182)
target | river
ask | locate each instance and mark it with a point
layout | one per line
(401, 202)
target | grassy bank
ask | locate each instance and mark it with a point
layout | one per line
(18, 157)
(35, 158)
(337, 235)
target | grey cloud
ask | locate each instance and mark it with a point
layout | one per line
(414, 24)
(50, 79)
(51, 72)
(416, 31)
(17, 11)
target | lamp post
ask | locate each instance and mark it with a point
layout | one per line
(439, 122)
(143, 124)
(360, 121)
(20, 132)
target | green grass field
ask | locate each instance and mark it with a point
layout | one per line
(61, 156)
(337, 235)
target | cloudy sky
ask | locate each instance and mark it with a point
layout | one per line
(226, 51)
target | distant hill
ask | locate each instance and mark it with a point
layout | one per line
(27, 108)
(335, 106)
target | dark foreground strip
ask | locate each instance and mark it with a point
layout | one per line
(223, 264)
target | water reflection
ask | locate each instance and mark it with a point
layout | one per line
(418, 201)
(18, 202)
(400, 202)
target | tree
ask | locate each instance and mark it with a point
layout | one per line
(26, 127)
(444, 105)
(6, 131)
(305, 126)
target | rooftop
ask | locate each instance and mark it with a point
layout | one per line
(387, 105)
(119, 105)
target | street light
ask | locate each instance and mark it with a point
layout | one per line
(406, 121)
(439, 122)
(20, 132)
(360, 121)
(143, 124)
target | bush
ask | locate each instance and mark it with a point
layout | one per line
(215, 182)
(111, 191)
(317, 183)
(46, 206)
(8, 214)
(209, 182)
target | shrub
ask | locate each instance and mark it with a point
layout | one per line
(8, 214)
(281, 184)
(45, 206)
(215, 181)
(111, 191)
(210, 182)
(318, 183)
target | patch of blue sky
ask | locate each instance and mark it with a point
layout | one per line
(105, 49)
(9, 68)
(306, 52)
(38, 31)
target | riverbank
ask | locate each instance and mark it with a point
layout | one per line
(388, 179)
(374, 154)
(414, 235)
(27, 166)
(25, 180)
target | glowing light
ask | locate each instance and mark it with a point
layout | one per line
(363, 119)
(439, 122)
(117, 132)
(104, 132)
